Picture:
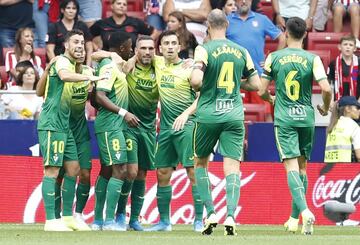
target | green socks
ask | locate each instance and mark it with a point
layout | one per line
(163, 196)
(82, 195)
(198, 204)
(57, 200)
(48, 193)
(137, 199)
(204, 189)
(125, 191)
(297, 190)
(112, 197)
(294, 210)
(68, 194)
(232, 193)
(100, 197)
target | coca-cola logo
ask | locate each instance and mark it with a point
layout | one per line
(345, 190)
(182, 204)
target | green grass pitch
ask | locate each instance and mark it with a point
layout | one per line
(181, 235)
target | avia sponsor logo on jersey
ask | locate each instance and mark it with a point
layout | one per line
(226, 50)
(144, 85)
(344, 190)
(294, 59)
(297, 112)
(167, 81)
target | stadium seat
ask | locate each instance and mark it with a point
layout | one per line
(346, 25)
(270, 45)
(3, 75)
(325, 41)
(254, 112)
(325, 58)
(41, 52)
(267, 9)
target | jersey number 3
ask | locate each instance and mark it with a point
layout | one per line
(226, 77)
(292, 86)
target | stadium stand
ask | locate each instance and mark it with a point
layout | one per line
(270, 45)
(3, 75)
(41, 52)
(133, 6)
(267, 9)
(325, 41)
(254, 112)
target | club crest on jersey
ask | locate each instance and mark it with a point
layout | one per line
(255, 23)
(152, 76)
(118, 155)
(55, 157)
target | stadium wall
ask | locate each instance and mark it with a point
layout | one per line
(264, 199)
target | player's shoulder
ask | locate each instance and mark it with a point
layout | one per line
(105, 62)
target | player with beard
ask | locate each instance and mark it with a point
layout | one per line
(54, 132)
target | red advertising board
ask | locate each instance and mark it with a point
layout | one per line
(264, 197)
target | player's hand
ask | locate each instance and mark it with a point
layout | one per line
(309, 24)
(188, 63)
(322, 110)
(96, 78)
(280, 22)
(180, 121)
(131, 120)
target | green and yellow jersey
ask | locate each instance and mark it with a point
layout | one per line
(226, 63)
(55, 112)
(293, 71)
(176, 94)
(79, 91)
(143, 95)
(116, 90)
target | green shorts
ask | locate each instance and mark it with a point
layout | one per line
(140, 145)
(71, 153)
(84, 154)
(174, 147)
(229, 134)
(293, 142)
(52, 147)
(112, 147)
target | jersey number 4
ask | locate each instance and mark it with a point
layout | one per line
(292, 86)
(226, 77)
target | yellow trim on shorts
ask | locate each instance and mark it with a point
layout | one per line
(107, 147)
(48, 149)
(194, 133)
(278, 143)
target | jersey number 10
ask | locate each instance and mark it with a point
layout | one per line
(226, 77)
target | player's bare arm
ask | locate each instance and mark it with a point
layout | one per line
(180, 121)
(106, 103)
(197, 76)
(326, 97)
(264, 91)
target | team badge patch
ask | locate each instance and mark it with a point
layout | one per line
(255, 23)
(117, 155)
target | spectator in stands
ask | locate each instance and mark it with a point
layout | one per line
(90, 11)
(68, 21)
(14, 14)
(195, 12)
(285, 9)
(344, 71)
(24, 106)
(119, 21)
(343, 132)
(24, 50)
(153, 9)
(228, 6)
(249, 29)
(41, 20)
(340, 8)
(187, 40)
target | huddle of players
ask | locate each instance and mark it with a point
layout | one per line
(125, 125)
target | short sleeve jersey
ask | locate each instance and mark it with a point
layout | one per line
(131, 25)
(143, 95)
(293, 71)
(176, 94)
(78, 123)
(56, 108)
(116, 90)
(226, 63)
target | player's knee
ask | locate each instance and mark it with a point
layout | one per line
(52, 172)
(84, 176)
(119, 172)
(163, 176)
(141, 175)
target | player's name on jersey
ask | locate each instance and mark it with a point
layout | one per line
(226, 50)
(294, 59)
